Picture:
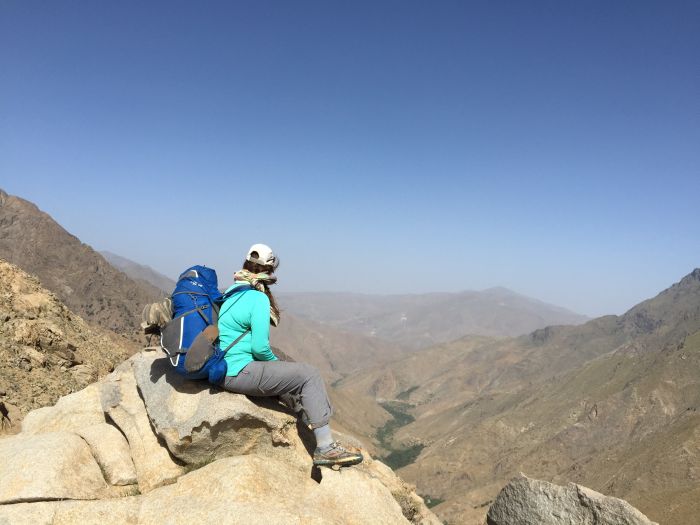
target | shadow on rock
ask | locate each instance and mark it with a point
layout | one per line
(161, 367)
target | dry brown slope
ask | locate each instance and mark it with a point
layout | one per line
(626, 423)
(81, 278)
(489, 408)
(46, 351)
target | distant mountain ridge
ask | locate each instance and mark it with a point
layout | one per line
(422, 320)
(139, 272)
(82, 279)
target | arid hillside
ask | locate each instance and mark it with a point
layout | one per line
(46, 351)
(79, 276)
(612, 404)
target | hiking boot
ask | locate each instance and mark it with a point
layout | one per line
(338, 455)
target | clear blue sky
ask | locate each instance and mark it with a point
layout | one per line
(390, 146)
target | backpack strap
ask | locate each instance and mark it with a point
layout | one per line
(204, 317)
(236, 340)
(232, 291)
(238, 289)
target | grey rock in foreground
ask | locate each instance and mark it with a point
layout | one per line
(199, 423)
(526, 501)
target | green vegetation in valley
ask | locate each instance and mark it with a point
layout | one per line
(400, 419)
(401, 457)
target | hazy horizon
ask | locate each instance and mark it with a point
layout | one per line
(378, 147)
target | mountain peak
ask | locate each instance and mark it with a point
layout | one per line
(692, 276)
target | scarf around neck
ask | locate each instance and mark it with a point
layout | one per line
(259, 281)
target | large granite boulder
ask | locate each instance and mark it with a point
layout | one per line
(143, 446)
(200, 423)
(526, 501)
(122, 403)
(231, 490)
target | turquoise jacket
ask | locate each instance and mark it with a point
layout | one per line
(241, 311)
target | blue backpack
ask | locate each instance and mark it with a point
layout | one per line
(191, 339)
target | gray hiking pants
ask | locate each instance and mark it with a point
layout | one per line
(299, 386)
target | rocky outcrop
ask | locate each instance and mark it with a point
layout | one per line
(143, 446)
(123, 405)
(46, 351)
(526, 501)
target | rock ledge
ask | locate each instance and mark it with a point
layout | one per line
(143, 446)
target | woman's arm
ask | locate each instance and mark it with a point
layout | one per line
(260, 329)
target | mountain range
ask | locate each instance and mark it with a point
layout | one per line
(417, 321)
(411, 321)
(612, 404)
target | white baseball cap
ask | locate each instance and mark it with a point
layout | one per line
(262, 254)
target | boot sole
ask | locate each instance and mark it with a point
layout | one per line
(347, 462)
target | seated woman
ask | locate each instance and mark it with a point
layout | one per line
(245, 318)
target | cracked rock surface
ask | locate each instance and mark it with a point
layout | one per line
(144, 446)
